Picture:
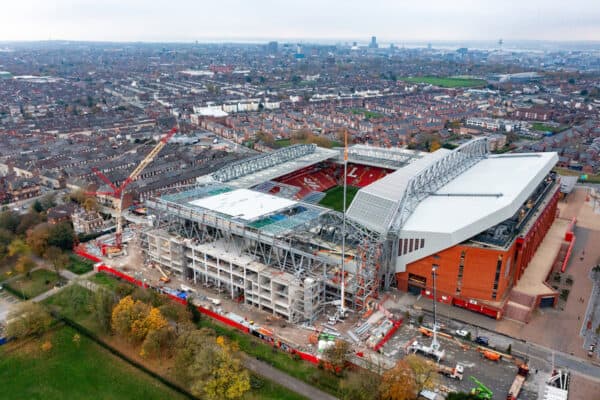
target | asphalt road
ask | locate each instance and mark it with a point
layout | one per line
(264, 369)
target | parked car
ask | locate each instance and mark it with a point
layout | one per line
(482, 340)
(462, 333)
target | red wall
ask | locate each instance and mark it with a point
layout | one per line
(480, 263)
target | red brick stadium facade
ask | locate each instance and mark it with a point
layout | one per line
(478, 278)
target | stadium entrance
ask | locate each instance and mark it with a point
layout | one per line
(416, 284)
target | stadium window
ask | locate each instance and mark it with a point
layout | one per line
(400, 246)
(497, 276)
(405, 246)
(410, 245)
(461, 268)
(422, 243)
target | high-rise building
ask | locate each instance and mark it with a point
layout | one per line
(373, 44)
(272, 47)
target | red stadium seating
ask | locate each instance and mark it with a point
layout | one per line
(363, 175)
(321, 177)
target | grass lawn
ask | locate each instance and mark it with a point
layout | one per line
(72, 303)
(368, 114)
(79, 265)
(446, 82)
(283, 142)
(39, 282)
(538, 126)
(68, 371)
(282, 361)
(570, 172)
(334, 197)
(105, 280)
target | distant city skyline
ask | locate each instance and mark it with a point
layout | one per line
(239, 20)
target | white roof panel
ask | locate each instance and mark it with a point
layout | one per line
(244, 204)
(513, 177)
(375, 205)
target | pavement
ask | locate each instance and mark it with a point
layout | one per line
(7, 302)
(306, 390)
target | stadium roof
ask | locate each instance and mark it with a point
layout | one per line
(269, 166)
(244, 204)
(375, 205)
(488, 193)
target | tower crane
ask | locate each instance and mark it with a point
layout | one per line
(118, 191)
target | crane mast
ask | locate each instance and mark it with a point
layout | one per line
(119, 191)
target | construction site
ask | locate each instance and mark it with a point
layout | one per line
(250, 242)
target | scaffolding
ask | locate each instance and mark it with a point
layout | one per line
(286, 263)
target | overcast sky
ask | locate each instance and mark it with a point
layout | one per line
(389, 20)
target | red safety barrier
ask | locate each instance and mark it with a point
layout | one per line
(84, 254)
(308, 357)
(104, 268)
(569, 251)
(223, 319)
(387, 337)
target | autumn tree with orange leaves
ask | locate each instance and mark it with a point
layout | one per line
(398, 383)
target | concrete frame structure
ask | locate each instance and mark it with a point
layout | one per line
(299, 246)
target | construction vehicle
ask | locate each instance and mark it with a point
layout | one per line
(490, 354)
(455, 372)
(481, 391)
(517, 384)
(430, 351)
(164, 278)
(118, 192)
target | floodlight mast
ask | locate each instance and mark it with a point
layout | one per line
(343, 286)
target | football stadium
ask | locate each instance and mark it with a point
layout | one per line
(268, 231)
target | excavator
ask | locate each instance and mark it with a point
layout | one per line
(481, 391)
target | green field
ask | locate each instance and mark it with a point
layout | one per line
(103, 279)
(538, 126)
(368, 114)
(79, 265)
(39, 281)
(70, 371)
(72, 302)
(334, 197)
(446, 82)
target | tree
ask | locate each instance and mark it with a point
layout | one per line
(424, 372)
(6, 237)
(62, 236)
(90, 204)
(57, 258)
(28, 319)
(37, 238)
(360, 385)
(337, 355)
(196, 315)
(187, 348)
(103, 302)
(157, 341)
(29, 221)
(48, 201)
(143, 325)
(10, 220)
(229, 380)
(398, 383)
(121, 318)
(24, 265)
(18, 247)
(37, 207)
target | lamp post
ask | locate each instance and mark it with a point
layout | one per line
(435, 345)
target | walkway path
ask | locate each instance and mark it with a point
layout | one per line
(306, 390)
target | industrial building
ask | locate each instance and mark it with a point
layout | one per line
(254, 230)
